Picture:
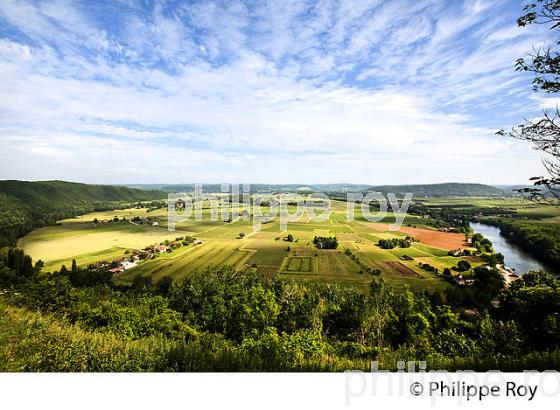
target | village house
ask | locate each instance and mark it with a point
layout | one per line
(120, 259)
(455, 252)
(118, 269)
(127, 265)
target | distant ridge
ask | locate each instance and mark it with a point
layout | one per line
(27, 205)
(444, 189)
(211, 188)
(46, 192)
(513, 188)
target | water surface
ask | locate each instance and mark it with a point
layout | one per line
(514, 256)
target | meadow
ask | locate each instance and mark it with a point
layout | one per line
(266, 251)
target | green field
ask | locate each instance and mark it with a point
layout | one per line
(189, 259)
(88, 243)
(265, 251)
(299, 264)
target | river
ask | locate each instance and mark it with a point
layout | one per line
(514, 256)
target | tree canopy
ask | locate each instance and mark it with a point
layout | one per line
(543, 133)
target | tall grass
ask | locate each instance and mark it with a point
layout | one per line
(34, 342)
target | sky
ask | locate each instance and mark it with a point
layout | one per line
(373, 92)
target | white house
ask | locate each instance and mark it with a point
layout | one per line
(127, 265)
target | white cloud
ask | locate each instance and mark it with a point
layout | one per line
(220, 91)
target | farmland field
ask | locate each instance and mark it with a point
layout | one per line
(299, 264)
(189, 259)
(87, 242)
(234, 244)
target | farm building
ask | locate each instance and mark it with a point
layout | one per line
(127, 265)
(160, 248)
(118, 269)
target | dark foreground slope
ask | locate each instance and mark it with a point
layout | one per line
(223, 320)
(27, 205)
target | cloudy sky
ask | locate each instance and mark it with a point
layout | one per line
(379, 92)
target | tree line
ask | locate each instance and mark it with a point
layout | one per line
(542, 240)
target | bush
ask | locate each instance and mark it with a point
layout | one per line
(324, 242)
(463, 266)
(393, 243)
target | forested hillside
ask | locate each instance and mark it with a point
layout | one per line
(542, 240)
(27, 205)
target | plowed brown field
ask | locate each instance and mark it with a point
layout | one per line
(430, 237)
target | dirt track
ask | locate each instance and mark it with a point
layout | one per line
(402, 269)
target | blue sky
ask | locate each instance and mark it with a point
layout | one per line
(265, 91)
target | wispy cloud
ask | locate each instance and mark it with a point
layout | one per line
(279, 91)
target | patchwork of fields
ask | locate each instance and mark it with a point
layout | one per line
(266, 251)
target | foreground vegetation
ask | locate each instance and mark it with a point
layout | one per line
(226, 320)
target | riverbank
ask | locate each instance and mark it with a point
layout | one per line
(515, 257)
(508, 274)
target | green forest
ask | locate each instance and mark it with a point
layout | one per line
(540, 239)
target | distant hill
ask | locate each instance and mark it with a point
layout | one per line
(260, 188)
(47, 192)
(27, 205)
(513, 188)
(447, 189)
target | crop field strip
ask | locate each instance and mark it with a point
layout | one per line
(299, 264)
